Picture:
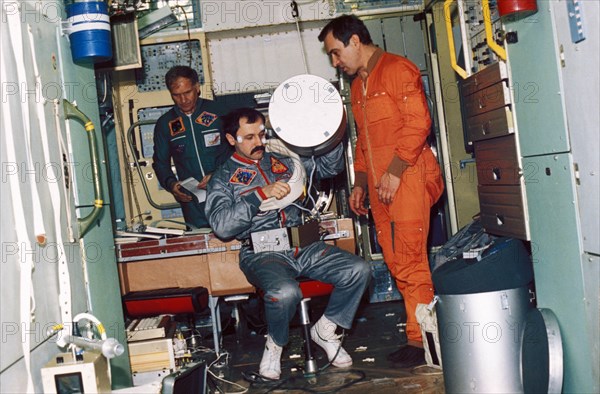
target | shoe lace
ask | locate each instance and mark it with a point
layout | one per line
(333, 338)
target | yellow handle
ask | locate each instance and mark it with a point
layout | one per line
(489, 37)
(459, 70)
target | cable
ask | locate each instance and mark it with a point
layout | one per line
(132, 194)
(310, 181)
(296, 15)
(276, 385)
(105, 88)
(415, 371)
(300, 207)
(187, 26)
(245, 389)
(280, 384)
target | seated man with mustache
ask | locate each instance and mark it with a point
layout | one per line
(233, 208)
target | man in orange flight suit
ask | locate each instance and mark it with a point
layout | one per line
(392, 161)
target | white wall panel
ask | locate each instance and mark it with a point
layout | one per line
(229, 14)
(582, 102)
(262, 60)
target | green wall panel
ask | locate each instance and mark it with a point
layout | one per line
(105, 292)
(535, 82)
(557, 259)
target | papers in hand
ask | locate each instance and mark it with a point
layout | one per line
(164, 230)
(191, 185)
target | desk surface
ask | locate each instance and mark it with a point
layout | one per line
(199, 260)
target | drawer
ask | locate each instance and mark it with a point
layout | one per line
(485, 78)
(485, 100)
(497, 161)
(502, 211)
(490, 124)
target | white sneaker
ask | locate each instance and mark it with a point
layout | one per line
(323, 333)
(270, 365)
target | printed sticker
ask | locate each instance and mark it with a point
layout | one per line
(212, 139)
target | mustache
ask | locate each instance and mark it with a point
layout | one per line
(257, 149)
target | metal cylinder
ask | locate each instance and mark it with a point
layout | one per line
(480, 340)
(310, 364)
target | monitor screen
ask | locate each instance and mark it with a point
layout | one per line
(69, 383)
(189, 380)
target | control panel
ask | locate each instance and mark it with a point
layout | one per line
(147, 130)
(481, 54)
(158, 58)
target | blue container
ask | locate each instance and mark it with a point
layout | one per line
(89, 32)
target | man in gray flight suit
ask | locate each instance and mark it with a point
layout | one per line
(235, 194)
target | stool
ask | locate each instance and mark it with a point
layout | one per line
(310, 288)
(236, 300)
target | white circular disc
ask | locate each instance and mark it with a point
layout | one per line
(306, 111)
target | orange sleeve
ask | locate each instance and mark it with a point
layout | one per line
(407, 89)
(360, 165)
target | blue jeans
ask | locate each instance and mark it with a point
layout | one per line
(275, 273)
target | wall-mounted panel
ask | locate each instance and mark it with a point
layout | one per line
(229, 15)
(534, 64)
(558, 262)
(260, 60)
(582, 102)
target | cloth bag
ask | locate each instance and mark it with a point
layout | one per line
(427, 319)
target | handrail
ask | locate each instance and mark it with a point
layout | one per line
(489, 36)
(448, 18)
(71, 111)
(139, 168)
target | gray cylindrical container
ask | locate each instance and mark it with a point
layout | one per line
(480, 338)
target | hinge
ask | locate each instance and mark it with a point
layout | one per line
(576, 172)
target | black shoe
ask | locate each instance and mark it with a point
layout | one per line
(408, 357)
(397, 355)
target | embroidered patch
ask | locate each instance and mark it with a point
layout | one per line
(212, 139)
(206, 118)
(242, 176)
(277, 167)
(176, 126)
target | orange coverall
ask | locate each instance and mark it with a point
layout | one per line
(393, 122)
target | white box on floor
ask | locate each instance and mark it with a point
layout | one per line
(152, 355)
(143, 378)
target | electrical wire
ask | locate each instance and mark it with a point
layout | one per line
(280, 384)
(218, 378)
(296, 16)
(104, 92)
(416, 369)
(187, 26)
(128, 168)
(310, 181)
(301, 208)
(271, 385)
